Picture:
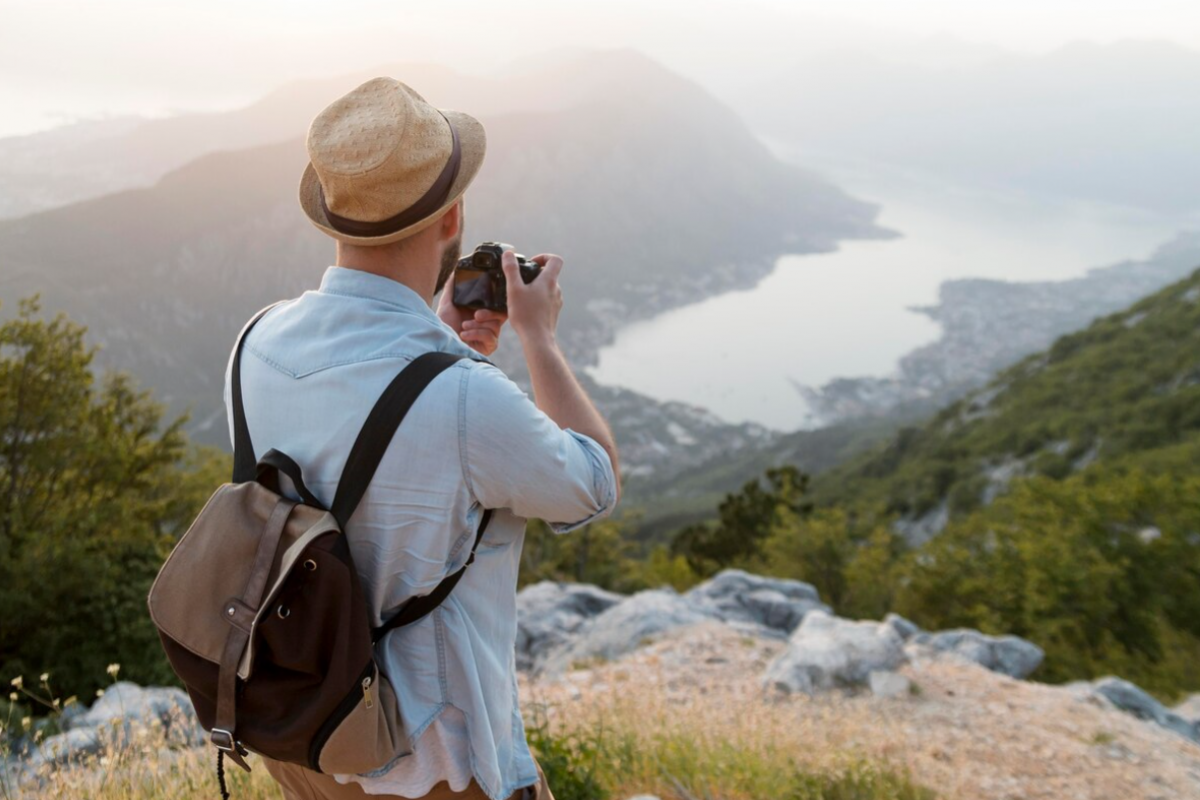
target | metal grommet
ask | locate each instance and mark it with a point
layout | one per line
(310, 565)
(284, 612)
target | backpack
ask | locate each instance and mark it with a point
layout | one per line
(260, 610)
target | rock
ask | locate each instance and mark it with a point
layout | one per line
(904, 628)
(73, 745)
(114, 720)
(131, 705)
(774, 604)
(889, 684)
(1134, 700)
(625, 626)
(1008, 655)
(827, 652)
(549, 614)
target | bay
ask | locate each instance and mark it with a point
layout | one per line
(847, 313)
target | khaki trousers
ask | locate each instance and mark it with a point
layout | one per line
(302, 783)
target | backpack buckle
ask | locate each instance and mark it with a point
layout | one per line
(225, 742)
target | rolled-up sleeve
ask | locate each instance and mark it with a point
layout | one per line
(514, 456)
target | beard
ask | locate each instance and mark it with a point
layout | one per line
(450, 256)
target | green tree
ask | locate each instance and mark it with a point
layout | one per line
(94, 491)
(849, 557)
(598, 553)
(1102, 570)
(744, 523)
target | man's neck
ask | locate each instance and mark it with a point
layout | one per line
(407, 269)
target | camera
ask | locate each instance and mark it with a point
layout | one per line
(479, 281)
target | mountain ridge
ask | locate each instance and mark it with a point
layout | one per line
(166, 275)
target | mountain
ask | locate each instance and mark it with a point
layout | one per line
(1112, 123)
(655, 193)
(89, 159)
(1125, 389)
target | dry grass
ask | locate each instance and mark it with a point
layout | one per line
(966, 732)
(132, 773)
(732, 746)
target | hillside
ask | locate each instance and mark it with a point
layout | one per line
(1125, 388)
(987, 325)
(164, 276)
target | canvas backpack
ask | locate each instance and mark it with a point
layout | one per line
(260, 610)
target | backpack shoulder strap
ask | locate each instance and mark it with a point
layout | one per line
(377, 432)
(367, 452)
(245, 466)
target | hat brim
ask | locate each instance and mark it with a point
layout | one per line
(473, 142)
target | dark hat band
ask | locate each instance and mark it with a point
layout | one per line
(429, 202)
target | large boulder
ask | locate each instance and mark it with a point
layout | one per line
(625, 626)
(1008, 655)
(1134, 700)
(775, 605)
(828, 652)
(549, 614)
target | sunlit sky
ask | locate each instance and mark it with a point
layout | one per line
(65, 60)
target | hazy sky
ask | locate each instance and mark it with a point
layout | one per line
(62, 60)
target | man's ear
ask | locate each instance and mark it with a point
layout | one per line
(451, 222)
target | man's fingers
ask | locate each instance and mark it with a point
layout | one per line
(493, 325)
(551, 264)
(482, 314)
(483, 341)
(508, 263)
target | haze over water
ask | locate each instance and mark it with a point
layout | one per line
(845, 314)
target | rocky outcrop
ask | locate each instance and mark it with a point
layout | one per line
(564, 624)
(550, 613)
(774, 604)
(1008, 655)
(828, 652)
(561, 624)
(624, 627)
(1132, 699)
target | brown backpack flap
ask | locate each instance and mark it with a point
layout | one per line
(212, 564)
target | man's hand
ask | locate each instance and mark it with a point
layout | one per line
(534, 307)
(479, 328)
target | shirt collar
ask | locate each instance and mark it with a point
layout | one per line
(356, 283)
(349, 282)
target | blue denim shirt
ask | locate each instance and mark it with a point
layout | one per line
(311, 370)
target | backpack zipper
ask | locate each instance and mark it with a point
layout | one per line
(360, 691)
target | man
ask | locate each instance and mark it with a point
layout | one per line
(386, 179)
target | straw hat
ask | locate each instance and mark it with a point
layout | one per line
(384, 164)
